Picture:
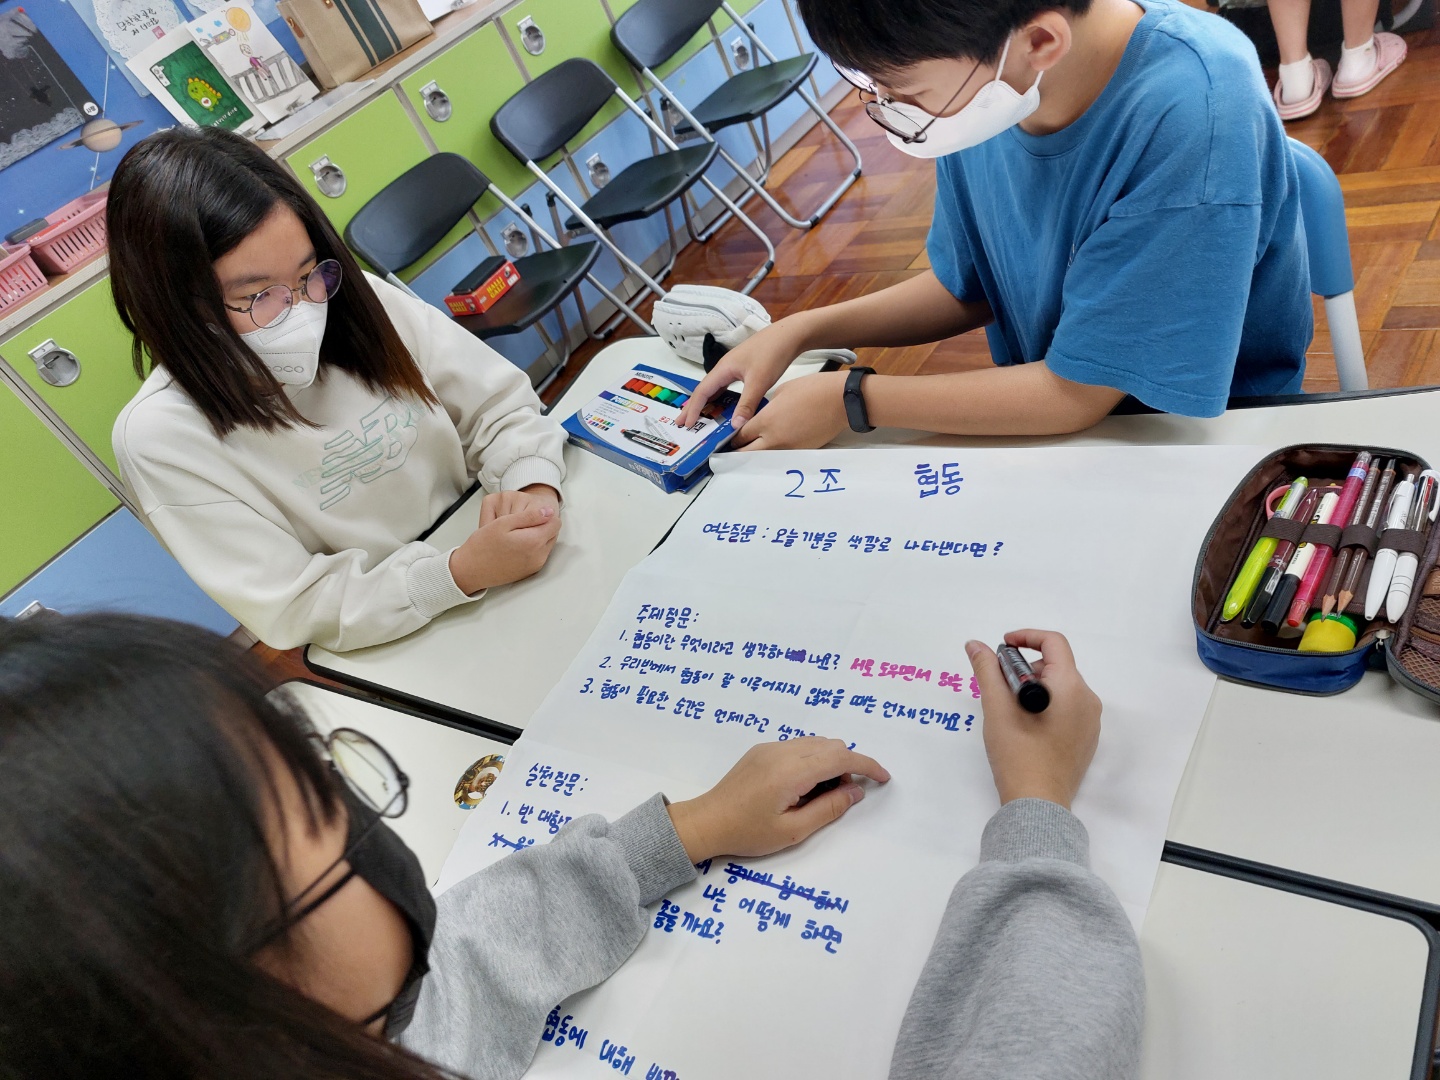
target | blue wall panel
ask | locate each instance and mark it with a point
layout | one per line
(119, 566)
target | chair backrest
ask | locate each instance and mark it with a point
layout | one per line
(1322, 207)
(653, 31)
(550, 111)
(412, 213)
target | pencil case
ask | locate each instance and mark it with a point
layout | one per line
(1409, 648)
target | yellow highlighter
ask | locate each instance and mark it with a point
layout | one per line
(1249, 577)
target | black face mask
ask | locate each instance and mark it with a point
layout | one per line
(384, 861)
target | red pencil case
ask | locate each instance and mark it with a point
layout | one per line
(1408, 648)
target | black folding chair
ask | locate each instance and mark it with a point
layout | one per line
(653, 31)
(552, 110)
(415, 211)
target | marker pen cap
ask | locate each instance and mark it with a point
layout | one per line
(1274, 619)
(1337, 633)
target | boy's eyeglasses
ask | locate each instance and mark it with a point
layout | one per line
(878, 106)
(380, 786)
(270, 306)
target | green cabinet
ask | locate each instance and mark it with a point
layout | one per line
(87, 328)
(345, 166)
(456, 94)
(570, 28)
(49, 498)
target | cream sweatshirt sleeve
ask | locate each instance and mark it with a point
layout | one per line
(509, 443)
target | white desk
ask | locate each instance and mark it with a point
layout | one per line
(495, 660)
(434, 755)
(1248, 982)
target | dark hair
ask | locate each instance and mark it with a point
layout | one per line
(179, 200)
(880, 37)
(136, 760)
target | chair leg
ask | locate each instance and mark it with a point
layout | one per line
(741, 216)
(1345, 341)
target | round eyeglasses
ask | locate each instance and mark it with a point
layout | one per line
(270, 306)
(878, 107)
(368, 771)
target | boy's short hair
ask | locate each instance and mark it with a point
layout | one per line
(880, 37)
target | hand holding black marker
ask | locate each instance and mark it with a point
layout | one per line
(1024, 683)
(1037, 755)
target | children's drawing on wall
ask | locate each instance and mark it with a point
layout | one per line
(126, 27)
(253, 61)
(185, 80)
(40, 97)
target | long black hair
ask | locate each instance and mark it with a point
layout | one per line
(179, 200)
(136, 777)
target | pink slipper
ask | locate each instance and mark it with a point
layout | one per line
(1294, 110)
(1390, 52)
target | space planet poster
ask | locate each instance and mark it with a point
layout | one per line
(41, 99)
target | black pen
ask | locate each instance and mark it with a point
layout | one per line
(1025, 684)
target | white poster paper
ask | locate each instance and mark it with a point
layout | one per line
(831, 592)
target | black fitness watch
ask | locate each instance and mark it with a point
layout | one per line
(855, 401)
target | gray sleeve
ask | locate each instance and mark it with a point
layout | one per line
(1035, 971)
(517, 938)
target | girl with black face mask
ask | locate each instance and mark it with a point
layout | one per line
(192, 885)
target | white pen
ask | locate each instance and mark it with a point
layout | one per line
(1383, 568)
(1408, 563)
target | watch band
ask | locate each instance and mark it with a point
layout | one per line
(855, 410)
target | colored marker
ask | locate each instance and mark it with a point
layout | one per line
(1024, 683)
(1249, 577)
(650, 442)
(1361, 556)
(1275, 569)
(1396, 514)
(1289, 585)
(1421, 515)
(1342, 560)
(1320, 562)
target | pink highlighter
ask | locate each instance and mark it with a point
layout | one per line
(1319, 566)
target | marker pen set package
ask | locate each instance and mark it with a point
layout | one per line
(635, 423)
(1324, 561)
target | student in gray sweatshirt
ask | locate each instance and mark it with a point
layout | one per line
(186, 880)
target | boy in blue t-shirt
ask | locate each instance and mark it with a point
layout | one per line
(1116, 199)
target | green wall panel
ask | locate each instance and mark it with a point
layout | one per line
(88, 326)
(47, 498)
(478, 75)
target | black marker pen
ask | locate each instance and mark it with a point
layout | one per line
(1028, 688)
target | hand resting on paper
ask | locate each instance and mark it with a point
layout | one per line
(1042, 756)
(516, 534)
(760, 805)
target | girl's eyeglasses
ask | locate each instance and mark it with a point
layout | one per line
(272, 305)
(878, 106)
(378, 783)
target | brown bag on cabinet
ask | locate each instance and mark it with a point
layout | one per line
(343, 39)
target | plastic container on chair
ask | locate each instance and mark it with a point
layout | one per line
(76, 233)
(19, 276)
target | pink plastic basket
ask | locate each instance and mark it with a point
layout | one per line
(76, 232)
(19, 276)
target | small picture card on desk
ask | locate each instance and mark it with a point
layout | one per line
(185, 80)
(633, 423)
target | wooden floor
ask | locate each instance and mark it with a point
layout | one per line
(1385, 146)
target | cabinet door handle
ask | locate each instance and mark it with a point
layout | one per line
(329, 178)
(57, 366)
(532, 38)
(437, 102)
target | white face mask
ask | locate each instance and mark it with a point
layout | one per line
(995, 108)
(291, 348)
